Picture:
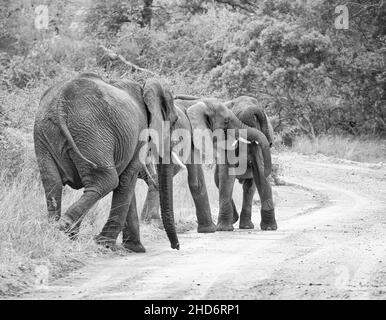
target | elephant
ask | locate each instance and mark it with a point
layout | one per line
(196, 179)
(87, 135)
(248, 110)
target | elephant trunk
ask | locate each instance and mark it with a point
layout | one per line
(262, 119)
(255, 135)
(165, 180)
(264, 123)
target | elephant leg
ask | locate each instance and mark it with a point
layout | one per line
(268, 221)
(249, 189)
(130, 232)
(72, 219)
(216, 181)
(197, 186)
(52, 183)
(97, 185)
(120, 205)
(235, 213)
(226, 183)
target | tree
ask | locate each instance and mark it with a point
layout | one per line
(314, 76)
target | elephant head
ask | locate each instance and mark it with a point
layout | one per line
(160, 104)
(212, 114)
(250, 112)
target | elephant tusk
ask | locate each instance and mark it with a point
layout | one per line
(256, 142)
(155, 184)
(234, 143)
(177, 160)
(244, 140)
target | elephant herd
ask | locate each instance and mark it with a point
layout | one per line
(88, 134)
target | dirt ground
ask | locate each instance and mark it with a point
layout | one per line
(330, 245)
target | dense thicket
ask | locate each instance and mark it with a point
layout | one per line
(314, 77)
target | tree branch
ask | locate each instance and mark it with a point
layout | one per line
(114, 56)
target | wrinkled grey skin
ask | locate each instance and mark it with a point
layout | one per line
(196, 182)
(250, 112)
(247, 110)
(86, 135)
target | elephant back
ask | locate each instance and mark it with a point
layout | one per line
(184, 104)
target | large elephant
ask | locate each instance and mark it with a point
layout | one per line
(196, 180)
(254, 119)
(250, 112)
(87, 135)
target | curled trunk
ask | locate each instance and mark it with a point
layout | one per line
(165, 181)
(263, 121)
(255, 135)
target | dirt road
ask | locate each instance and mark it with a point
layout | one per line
(330, 244)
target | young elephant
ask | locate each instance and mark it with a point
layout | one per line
(209, 113)
(86, 135)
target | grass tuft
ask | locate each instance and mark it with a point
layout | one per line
(33, 250)
(362, 149)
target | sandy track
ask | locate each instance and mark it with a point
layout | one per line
(330, 244)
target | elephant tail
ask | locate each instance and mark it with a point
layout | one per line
(66, 132)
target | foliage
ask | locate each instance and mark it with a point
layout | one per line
(107, 17)
(314, 78)
(288, 53)
(310, 74)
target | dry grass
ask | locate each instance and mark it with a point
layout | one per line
(361, 149)
(30, 244)
(28, 241)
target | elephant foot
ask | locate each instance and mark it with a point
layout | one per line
(248, 224)
(207, 229)
(69, 227)
(135, 246)
(224, 226)
(106, 242)
(268, 221)
(268, 226)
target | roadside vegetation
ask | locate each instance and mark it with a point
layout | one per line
(362, 149)
(323, 87)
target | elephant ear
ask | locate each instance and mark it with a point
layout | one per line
(270, 129)
(250, 108)
(199, 116)
(160, 104)
(264, 124)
